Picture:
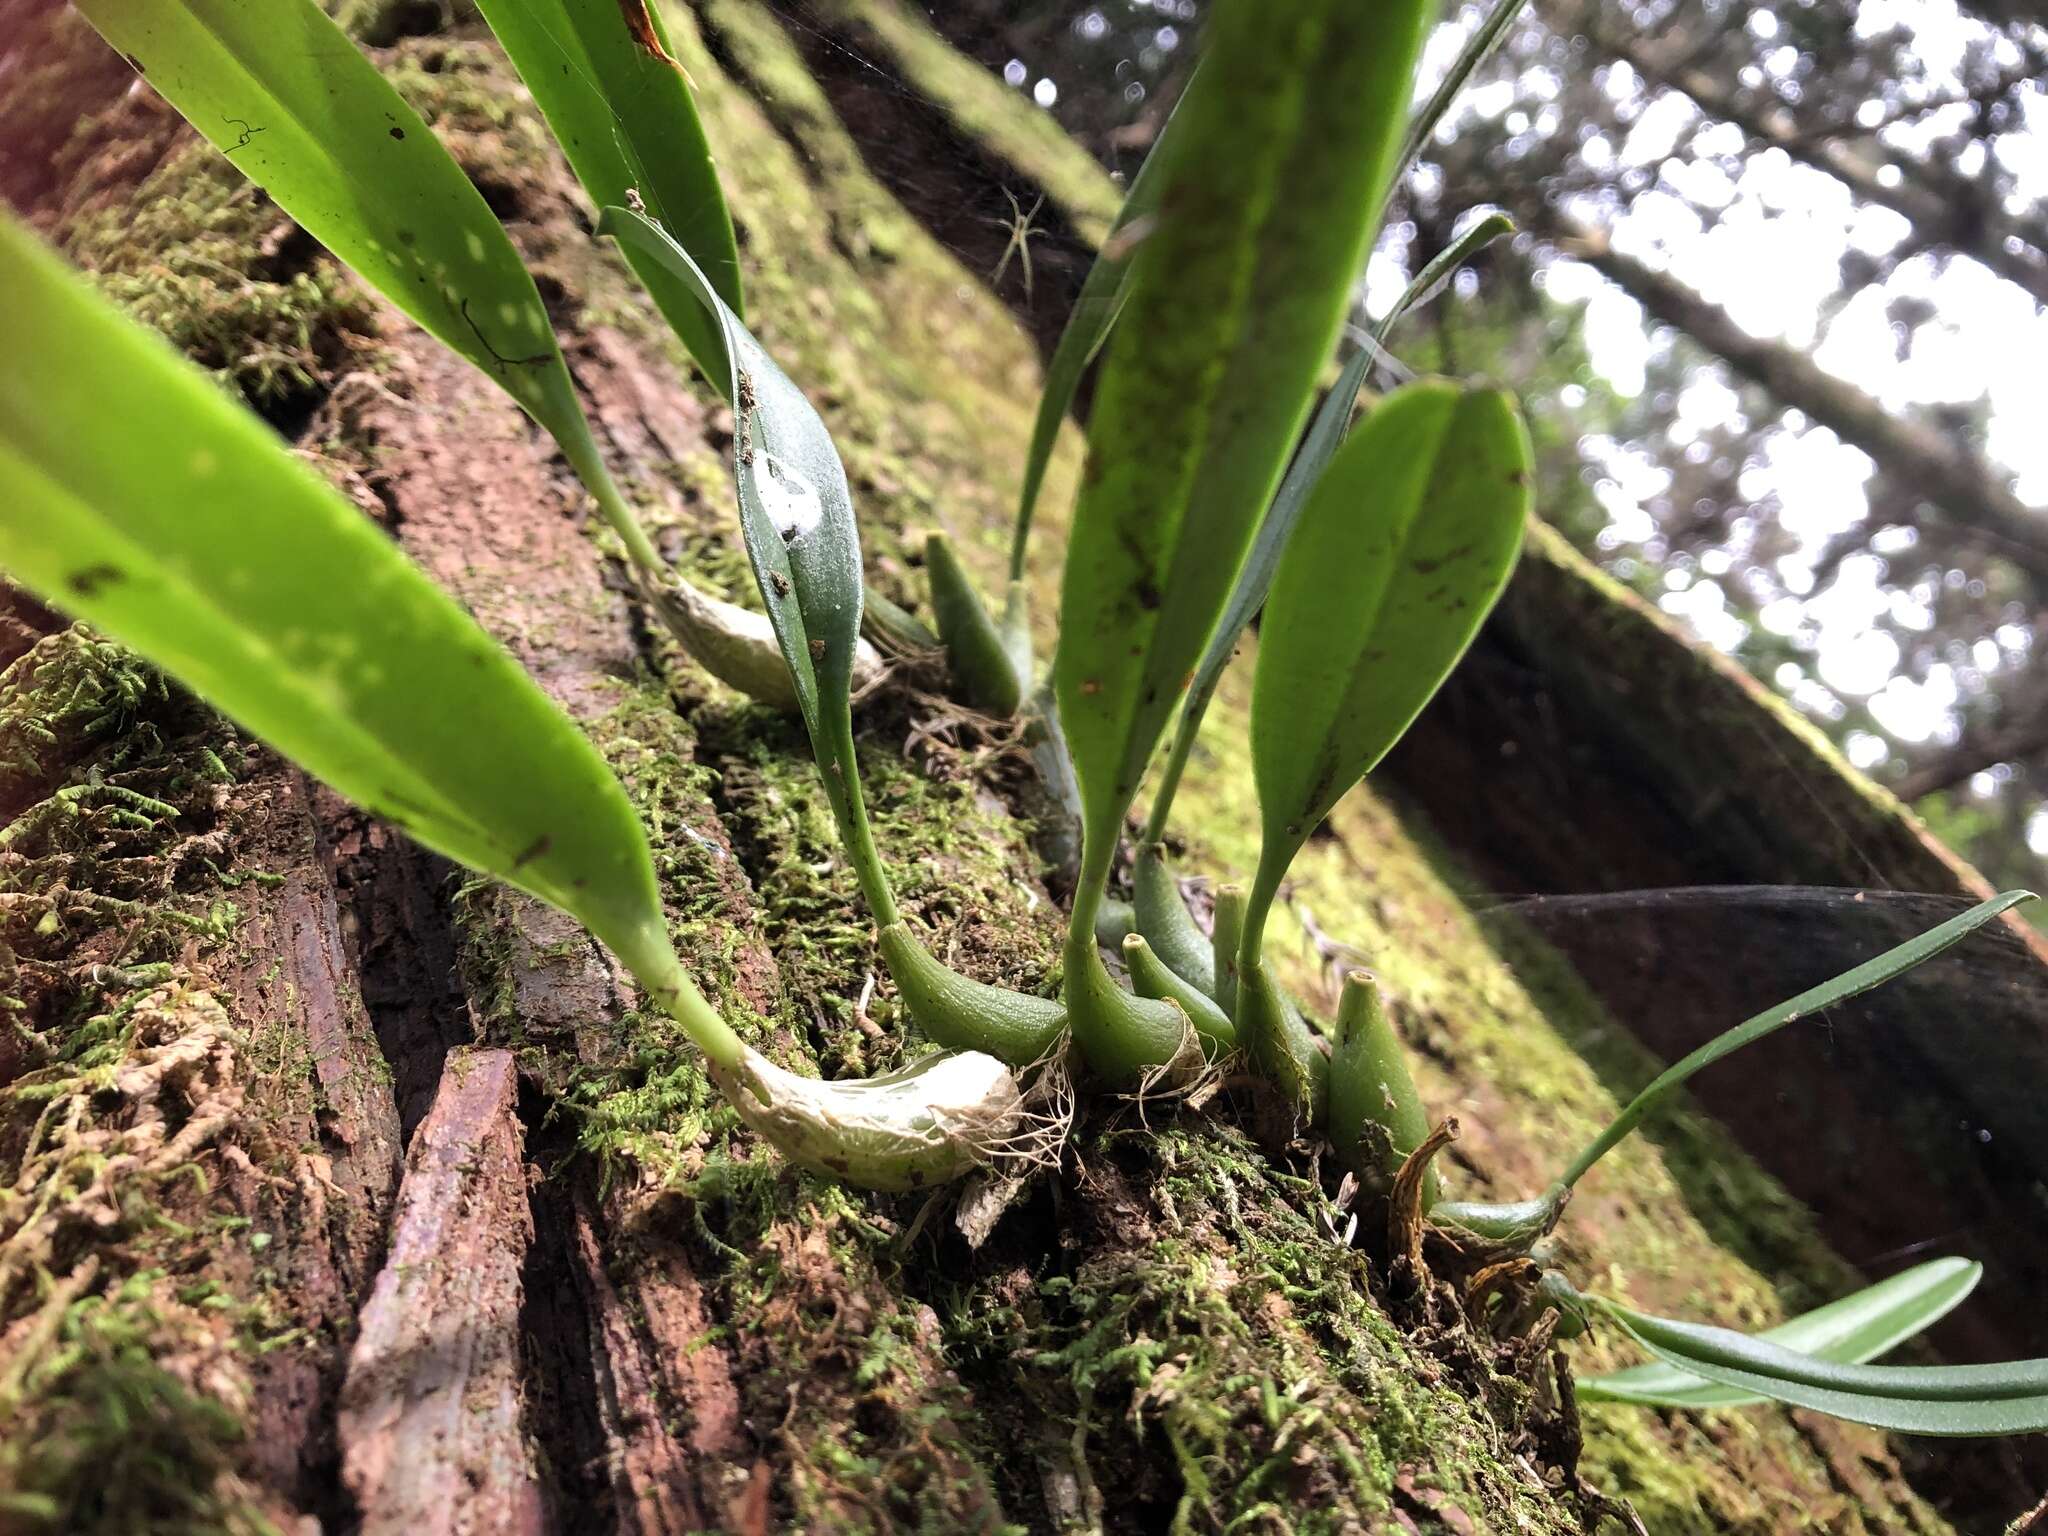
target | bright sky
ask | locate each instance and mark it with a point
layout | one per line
(1771, 259)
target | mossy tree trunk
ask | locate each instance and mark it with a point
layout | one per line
(337, 1188)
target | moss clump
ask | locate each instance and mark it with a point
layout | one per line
(64, 692)
(837, 1371)
(97, 1435)
(204, 257)
(1224, 1364)
(98, 846)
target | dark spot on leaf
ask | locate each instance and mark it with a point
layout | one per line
(87, 583)
(817, 650)
(1091, 687)
(534, 850)
(780, 583)
(405, 237)
(1518, 477)
(917, 1178)
(1429, 567)
(397, 133)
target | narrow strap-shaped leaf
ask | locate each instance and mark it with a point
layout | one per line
(190, 533)
(607, 81)
(1095, 310)
(281, 91)
(1478, 47)
(1855, 1329)
(1439, 270)
(1709, 1345)
(796, 515)
(1871, 973)
(1404, 546)
(1915, 1400)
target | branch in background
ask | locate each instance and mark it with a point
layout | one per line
(1969, 491)
(1947, 210)
(2017, 733)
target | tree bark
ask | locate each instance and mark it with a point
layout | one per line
(456, 1237)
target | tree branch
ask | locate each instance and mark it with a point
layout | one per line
(1945, 209)
(1946, 473)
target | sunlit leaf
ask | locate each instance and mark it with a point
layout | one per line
(1855, 1329)
(134, 494)
(1319, 445)
(280, 90)
(1235, 300)
(606, 79)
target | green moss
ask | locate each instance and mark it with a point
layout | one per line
(207, 259)
(962, 869)
(1506, 1037)
(110, 774)
(1225, 1366)
(97, 1437)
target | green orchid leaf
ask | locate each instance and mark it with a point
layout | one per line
(604, 76)
(1403, 548)
(191, 534)
(1326, 432)
(134, 494)
(796, 511)
(1095, 311)
(1953, 1400)
(1270, 193)
(1850, 1331)
(281, 91)
(1871, 973)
